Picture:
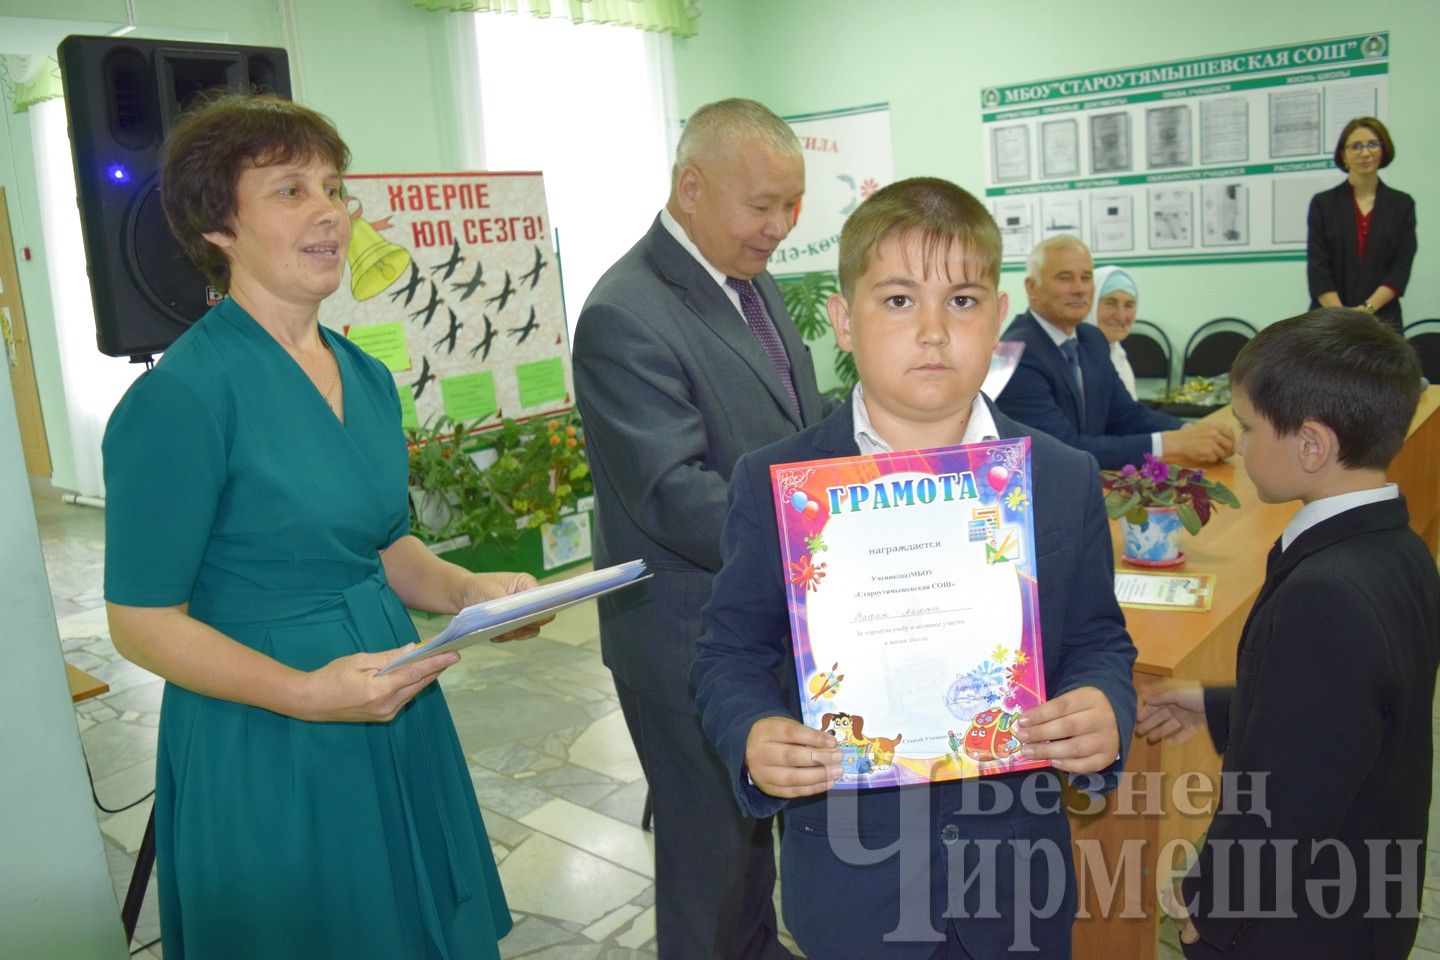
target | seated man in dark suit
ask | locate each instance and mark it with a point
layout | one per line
(1066, 384)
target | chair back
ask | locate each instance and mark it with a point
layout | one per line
(1424, 336)
(1212, 347)
(1149, 351)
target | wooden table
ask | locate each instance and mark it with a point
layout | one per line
(1171, 790)
(83, 686)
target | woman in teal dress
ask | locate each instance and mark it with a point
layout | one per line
(258, 558)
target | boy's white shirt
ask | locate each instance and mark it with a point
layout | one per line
(981, 425)
(1317, 511)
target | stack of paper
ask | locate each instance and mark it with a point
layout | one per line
(504, 614)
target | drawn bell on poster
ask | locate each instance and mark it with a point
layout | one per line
(375, 263)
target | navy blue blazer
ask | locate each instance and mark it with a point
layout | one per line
(1335, 676)
(837, 909)
(1116, 430)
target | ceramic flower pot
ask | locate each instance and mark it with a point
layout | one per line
(1156, 542)
(431, 509)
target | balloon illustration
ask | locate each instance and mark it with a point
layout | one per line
(798, 500)
(997, 477)
(811, 510)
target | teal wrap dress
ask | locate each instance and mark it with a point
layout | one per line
(231, 486)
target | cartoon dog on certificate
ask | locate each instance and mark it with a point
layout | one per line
(849, 731)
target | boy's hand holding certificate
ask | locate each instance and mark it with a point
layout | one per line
(914, 615)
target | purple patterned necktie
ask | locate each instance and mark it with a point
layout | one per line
(764, 329)
(1071, 349)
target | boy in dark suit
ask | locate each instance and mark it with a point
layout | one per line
(945, 870)
(1331, 708)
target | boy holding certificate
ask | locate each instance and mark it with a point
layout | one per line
(1328, 725)
(947, 869)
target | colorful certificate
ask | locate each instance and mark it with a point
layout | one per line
(913, 607)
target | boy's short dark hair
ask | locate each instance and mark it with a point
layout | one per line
(937, 211)
(212, 143)
(1340, 367)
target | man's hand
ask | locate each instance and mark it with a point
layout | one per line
(1076, 731)
(1174, 713)
(1204, 441)
(787, 759)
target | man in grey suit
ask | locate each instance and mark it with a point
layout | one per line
(685, 359)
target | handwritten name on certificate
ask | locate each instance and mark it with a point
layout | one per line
(914, 610)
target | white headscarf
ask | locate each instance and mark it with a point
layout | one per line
(1107, 281)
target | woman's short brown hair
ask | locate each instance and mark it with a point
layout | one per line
(1387, 146)
(210, 146)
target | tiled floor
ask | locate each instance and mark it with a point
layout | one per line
(552, 764)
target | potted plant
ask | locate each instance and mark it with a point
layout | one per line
(1201, 391)
(805, 296)
(489, 491)
(1155, 503)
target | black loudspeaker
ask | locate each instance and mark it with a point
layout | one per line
(123, 96)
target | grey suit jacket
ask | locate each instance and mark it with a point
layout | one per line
(673, 388)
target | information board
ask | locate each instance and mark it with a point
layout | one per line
(847, 158)
(1211, 159)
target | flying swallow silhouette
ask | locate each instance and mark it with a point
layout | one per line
(533, 274)
(504, 295)
(429, 308)
(485, 341)
(530, 327)
(425, 377)
(449, 338)
(408, 291)
(472, 284)
(449, 265)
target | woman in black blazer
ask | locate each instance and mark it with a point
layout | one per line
(1362, 233)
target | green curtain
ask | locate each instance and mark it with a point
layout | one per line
(677, 17)
(44, 84)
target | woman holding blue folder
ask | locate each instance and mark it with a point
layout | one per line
(259, 559)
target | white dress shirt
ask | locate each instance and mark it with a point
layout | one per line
(981, 425)
(1157, 446)
(1319, 510)
(683, 238)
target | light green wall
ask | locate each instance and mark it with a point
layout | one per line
(382, 70)
(379, 68)
(930, 58)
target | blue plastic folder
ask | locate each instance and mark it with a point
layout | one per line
(503, 614)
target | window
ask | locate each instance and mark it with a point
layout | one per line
(93, 382)
(602, 141)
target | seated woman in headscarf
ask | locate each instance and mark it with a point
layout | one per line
(1113, 311)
